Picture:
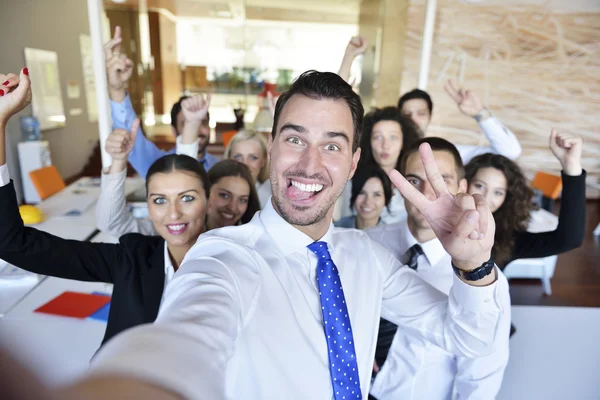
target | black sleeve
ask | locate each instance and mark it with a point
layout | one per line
(43, 253)
(568, 234)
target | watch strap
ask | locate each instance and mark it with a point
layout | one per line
(476, 274)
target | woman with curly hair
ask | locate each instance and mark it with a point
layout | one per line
(509, 197)
(385, 133)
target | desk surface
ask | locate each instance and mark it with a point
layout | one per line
(58, 348)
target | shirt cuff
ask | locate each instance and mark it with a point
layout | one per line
(480, 298)
(4, 175)
(187, 149)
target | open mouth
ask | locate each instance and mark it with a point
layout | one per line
(298, 191)
(177, 229)
(227, 216)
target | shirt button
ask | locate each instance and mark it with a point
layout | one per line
(487, 300)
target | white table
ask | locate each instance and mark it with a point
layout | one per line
(57, 348)
(80, 196)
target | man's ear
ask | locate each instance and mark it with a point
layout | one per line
(355, 159)
(174, 131)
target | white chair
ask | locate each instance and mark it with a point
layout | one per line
(536, 268)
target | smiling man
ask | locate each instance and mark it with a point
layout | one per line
(287, 306)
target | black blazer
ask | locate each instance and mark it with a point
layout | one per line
(135, 266)
(569, 233)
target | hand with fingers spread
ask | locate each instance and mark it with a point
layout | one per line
(118, 67)
(463, 223)
(15, 94)
(567, 149)
(119, 144)
(467, 101)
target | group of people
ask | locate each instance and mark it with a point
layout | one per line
(213, 299)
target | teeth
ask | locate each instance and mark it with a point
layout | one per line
(176, 227)
(315, 187)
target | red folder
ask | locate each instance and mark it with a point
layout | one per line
(73, 304)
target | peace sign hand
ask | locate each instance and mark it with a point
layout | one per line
(463, 223)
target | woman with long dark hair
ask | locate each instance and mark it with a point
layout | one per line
(385, 133)
(510, 198)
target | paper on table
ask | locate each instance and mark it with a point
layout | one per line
(73, 304)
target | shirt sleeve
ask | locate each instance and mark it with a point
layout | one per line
(144, 152)
(4, 175)
(190, 149)
(481, 377)
(201, 332)
(570, 232)
(465, 323)
(502, 141)
(112, 215)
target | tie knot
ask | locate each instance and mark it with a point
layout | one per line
(320, 249)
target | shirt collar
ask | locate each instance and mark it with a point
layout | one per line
(169, 270)
(287, 238)
(433, 249)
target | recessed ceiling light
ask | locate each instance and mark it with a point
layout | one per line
(119, 1)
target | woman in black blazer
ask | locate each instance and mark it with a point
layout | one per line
(138, 265)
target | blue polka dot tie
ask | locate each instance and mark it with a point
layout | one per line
(336, 322)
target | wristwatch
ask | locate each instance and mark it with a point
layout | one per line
(477, 273)
(483, 114)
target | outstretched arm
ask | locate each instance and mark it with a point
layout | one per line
(356, 46)
(569, 233)
(502, 140)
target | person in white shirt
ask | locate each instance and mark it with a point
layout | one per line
(407, 370)
(287, 306)
(250, 147)
(418, 106)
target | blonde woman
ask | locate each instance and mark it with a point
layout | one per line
(250, 148)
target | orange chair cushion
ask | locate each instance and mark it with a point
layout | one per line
(227, 136)
(47, 181)
(550, 185)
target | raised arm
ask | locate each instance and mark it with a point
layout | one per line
(569, 233)
(27, 247)
(112, 215)
(356, 46)
(502, 140)
(118, 71)
(194, 111)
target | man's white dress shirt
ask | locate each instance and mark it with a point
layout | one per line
(415, 369)
(241, 318)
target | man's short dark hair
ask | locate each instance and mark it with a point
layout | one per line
(175, 110)
(416, 94)
(437, 144)
(324, 85)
